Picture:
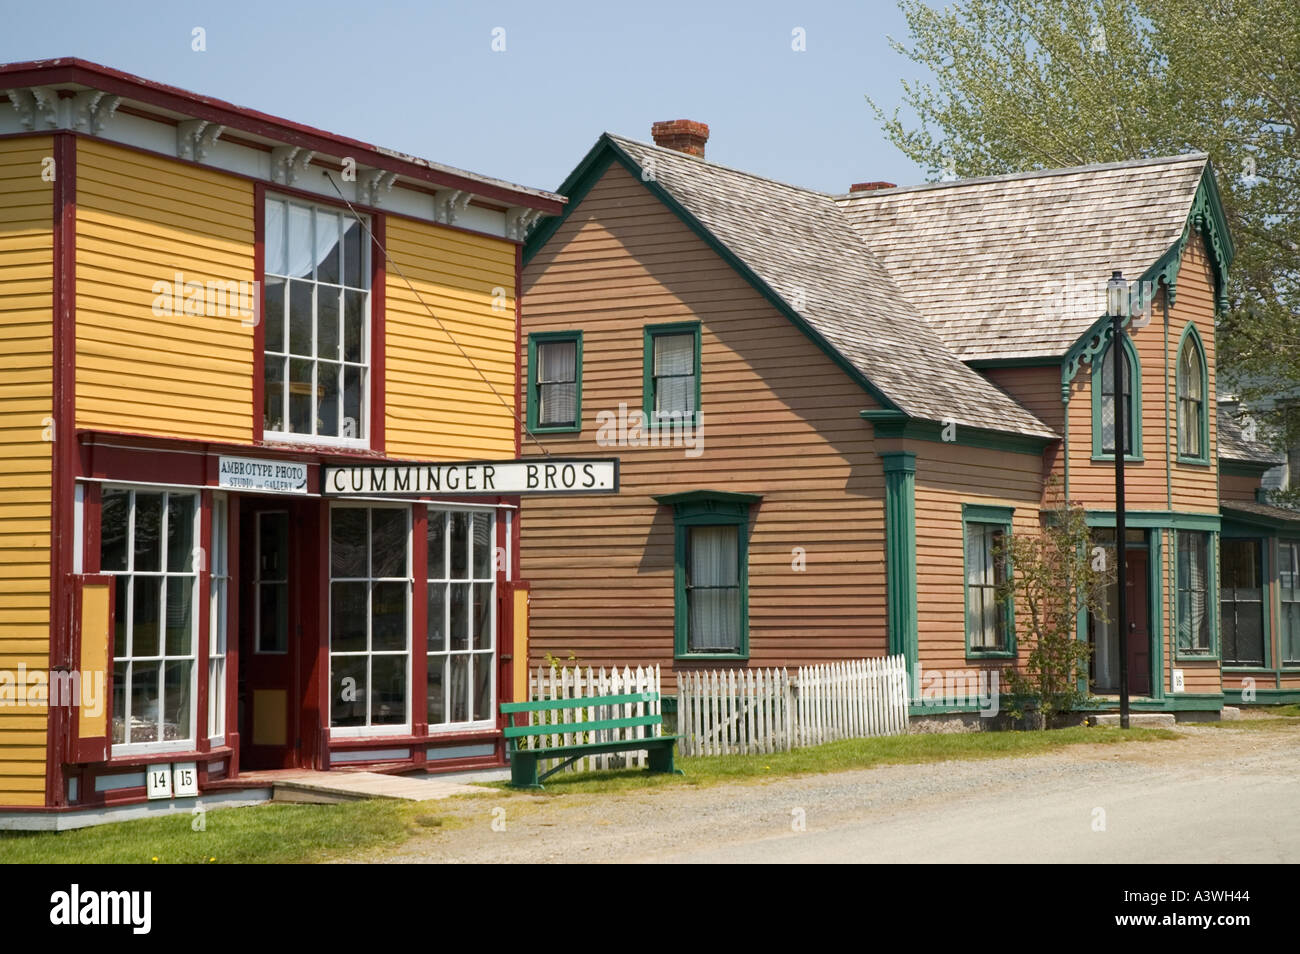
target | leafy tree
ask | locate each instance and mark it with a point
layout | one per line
(1054, 575)
(1026, 84)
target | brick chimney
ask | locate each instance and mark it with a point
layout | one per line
(684, 135)
(872, 186)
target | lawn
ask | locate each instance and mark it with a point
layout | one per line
(284, 834)
(275, 834)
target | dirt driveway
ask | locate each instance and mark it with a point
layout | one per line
(1215, 795)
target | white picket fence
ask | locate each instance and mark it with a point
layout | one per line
(725, 712)
(766, 710)
(548, 683)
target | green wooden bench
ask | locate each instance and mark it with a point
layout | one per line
(523, 762)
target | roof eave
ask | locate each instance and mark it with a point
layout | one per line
(119, 83)
(593, 166)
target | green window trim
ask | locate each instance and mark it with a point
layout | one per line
(1190, 332)
(1135, 403)
(993, 516)
(1282, 663)
(648, 378)
(900, 559)
(546, 337)
(707, 508)
(1211, 597)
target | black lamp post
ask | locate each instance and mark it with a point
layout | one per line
(1117, 305)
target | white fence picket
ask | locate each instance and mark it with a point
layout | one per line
(728, 712)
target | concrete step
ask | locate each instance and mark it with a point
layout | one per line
(325, 788)
(1136, 720)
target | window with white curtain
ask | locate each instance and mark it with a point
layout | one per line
(316, 301)
(987, 614)
(462, 617)
(673, 376)
(710, 572)
(370, 584)
(556, 388)
(713, 589)
(1193, 585)
(147, 543)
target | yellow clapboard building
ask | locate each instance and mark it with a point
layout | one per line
(208, 312)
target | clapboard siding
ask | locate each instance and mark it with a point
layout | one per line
(1145, 486)
(779, 419)
(142, 219)
(947, 477)
(1039, 390)
(1237, 487)
(438, 405)
(1159, 482)
(26, 406)
(1195, 486)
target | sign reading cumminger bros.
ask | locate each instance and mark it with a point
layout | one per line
(545, 475)
(251, 473)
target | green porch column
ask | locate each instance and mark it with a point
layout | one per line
(900, 555)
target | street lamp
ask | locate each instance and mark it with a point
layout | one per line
(1117, 305)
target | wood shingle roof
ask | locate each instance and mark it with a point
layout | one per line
(799, 244)
(1015, 266)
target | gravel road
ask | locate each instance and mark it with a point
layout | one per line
(1214, 795)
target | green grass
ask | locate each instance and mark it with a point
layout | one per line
(286, 834)
(846, 755)
(273, 834)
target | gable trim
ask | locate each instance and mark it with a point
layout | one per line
(1205, 216)
(594, 165)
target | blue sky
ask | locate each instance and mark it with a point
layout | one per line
(423, 77)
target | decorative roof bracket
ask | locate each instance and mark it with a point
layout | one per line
(519, 221)
(371, 182)
(449, 203)
(195, 137)
(289, 162)
(37, 106)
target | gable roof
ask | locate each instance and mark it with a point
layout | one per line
(798, 250)
(1014, 267)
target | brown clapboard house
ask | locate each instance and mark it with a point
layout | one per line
(830, 409)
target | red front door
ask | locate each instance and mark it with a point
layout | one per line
(1139, 631)
(270, 627)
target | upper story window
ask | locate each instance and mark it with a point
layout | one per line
(555, 381)
(672, 373)
(316, 310)
(1193, 423)
(1108, 413)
